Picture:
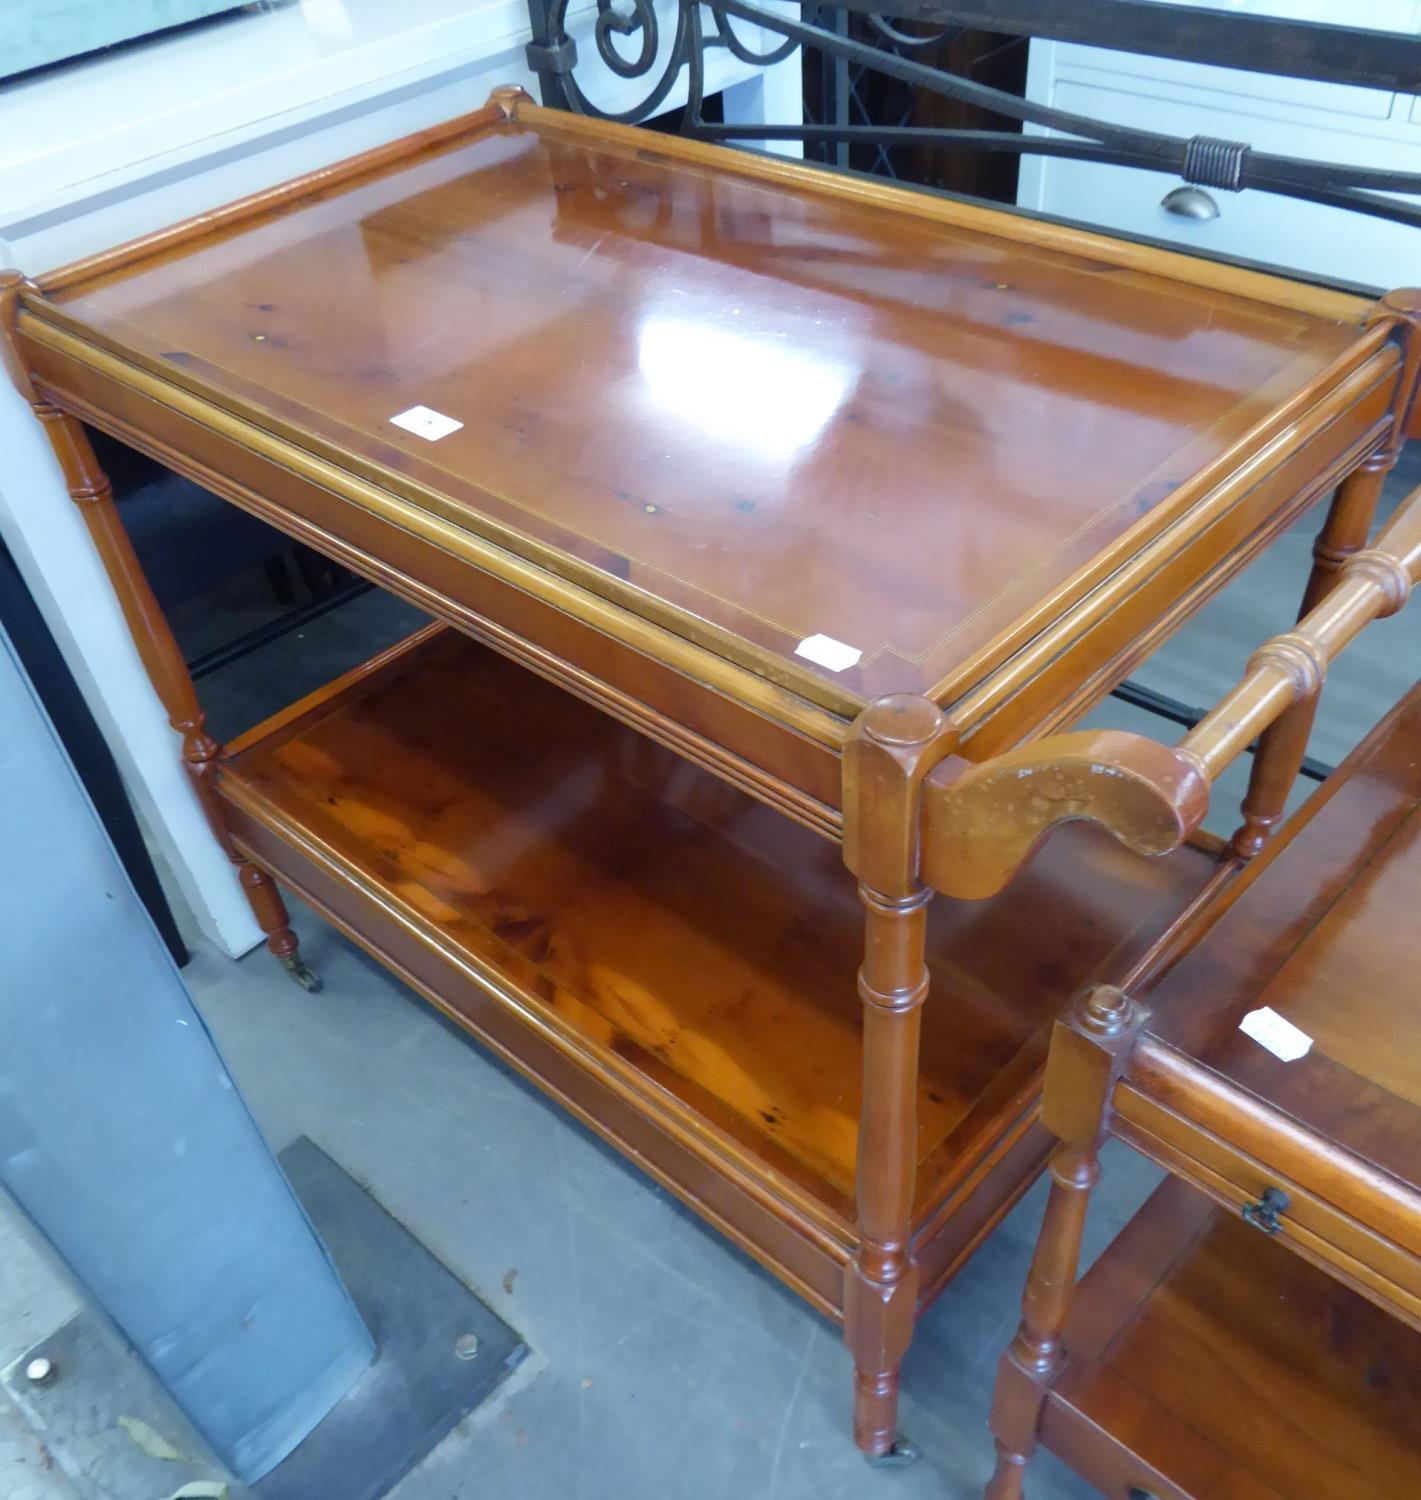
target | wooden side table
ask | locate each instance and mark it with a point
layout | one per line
(1267, 1343)
(761, 510)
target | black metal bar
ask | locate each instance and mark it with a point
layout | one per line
(1296, 49)
(1378, 179)
(949, 85)
(273, 630)
(1372, 204)
(1164, 153)
(1352, 198)
(927, 135)
(1165, 707)
(1259, 43)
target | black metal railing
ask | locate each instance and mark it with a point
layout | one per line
(894, 38)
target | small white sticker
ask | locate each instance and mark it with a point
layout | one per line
(828, 652)
(425, 423)
(1279, 1035)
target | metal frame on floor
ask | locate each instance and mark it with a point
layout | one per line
(263, 635)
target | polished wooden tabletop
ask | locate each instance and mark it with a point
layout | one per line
(768, 413)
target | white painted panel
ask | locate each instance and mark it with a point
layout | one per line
(1263, 227)
(1256, 95)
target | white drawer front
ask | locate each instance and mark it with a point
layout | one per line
(1257, 226)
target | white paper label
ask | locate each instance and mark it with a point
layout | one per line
(426, 423)
(828, 652)
(1279, 1035)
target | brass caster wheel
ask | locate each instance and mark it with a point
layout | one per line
(901, 1454)
(306, 977)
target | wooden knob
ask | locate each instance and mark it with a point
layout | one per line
(1106, 1010)
(902, 719)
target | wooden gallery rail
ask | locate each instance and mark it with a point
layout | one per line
(760, 510)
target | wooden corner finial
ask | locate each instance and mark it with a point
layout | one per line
(890, 747)
(1403, 307)
(507, 98)
(902, 719)
(1404, 302)
(1105, 1011)
(12, 283)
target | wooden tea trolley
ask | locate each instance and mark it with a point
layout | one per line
(1255, 1331)
(769, 510)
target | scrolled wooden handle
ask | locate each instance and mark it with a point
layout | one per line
(981, 822)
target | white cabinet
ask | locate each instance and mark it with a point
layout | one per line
(1325, 122)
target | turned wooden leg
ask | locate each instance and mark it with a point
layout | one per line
(1353, 509)
(1344, 533)
(89, 488)
(1276, 762)
(1283, 744)
(1036, 1355)
(893, 744)
(1088, 1049)
(883, 1285)
(1348, 523)
(270, 912)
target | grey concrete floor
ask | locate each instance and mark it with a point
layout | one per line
(668, 1363)
(671, 1365)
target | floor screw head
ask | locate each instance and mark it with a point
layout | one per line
(40, 1371)
(466, 1346)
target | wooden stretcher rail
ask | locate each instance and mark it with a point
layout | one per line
(980, 822)
(1374, 583)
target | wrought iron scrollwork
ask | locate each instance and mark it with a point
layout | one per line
(725, 35)
(552, 55)
(900, 38)
(612, 21)
(880, 44)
